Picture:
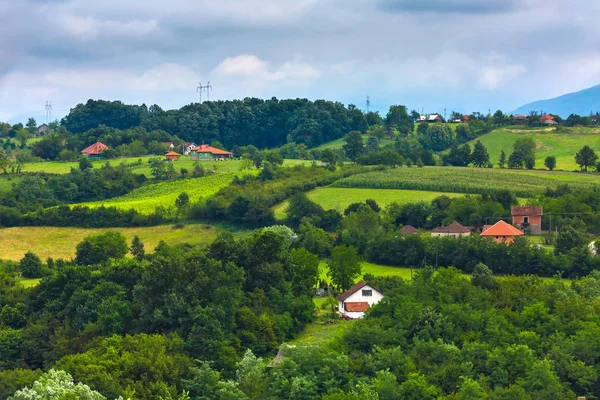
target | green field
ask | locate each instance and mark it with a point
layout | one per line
(146, 198)
(523, 183)
(563, 145)
(56, 167)
(60, 242)
(6, 182)
(373, 269)
(338, 143)
(340, 198)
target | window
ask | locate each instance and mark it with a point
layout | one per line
(525, 220)
(367, 293)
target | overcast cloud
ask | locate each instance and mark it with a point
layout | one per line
(463, 55)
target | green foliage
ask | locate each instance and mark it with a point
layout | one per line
(550, 163)
(84, 163)
(344, 266)
(502, 159)
(30, 266)
(57, 384)
(398, 119)
(437, 137)
(523, 155)
(354, 146)
(480, 157)
(569, 239)
(586, 157)
(137, 248)
(96, 249)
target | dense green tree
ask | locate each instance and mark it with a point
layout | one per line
(353, 146)
(398, 119)
(586, 157)
(137, 248)
(437, 137)
(85, 163)
(31, 125)
(568, 239)
(372, 144)
(95, 249)
(480, 157)
(550, 163)
(30, 265)
(483, 277)
(523, 154)
(344, 266)
(57, 384)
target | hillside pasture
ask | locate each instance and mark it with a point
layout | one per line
(146, 198)
(562, 144)
(338, 143)
(139, 165)
(523, 183)
(340, 198)
(60, 242)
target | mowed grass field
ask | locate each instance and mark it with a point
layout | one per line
(337, 144)
(60, 242)
(56, 167)
(523, 183)
(146, 198)
(369, 268)
(562, 144)
(339, 198)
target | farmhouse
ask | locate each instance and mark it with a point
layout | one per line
(355, 301)
(205, 152)
(95, 150)
(187, 147)
(172, 156)
(435, 118)
(501, 232)
(409, 230)
(168, 145)
(547, 119)
(520, 119)
(528, 217)
(43, 128)
(454, 230)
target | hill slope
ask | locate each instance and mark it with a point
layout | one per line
(562, 144)
(581, 103)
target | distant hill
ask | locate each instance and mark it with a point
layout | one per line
(580, 103)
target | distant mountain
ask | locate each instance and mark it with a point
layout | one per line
(580, 103)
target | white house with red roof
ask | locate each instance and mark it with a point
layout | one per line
(205, 152)
(355, 301)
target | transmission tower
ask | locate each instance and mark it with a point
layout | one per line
(368, 103)
(48, 111)
(199, 90)
(207, 88)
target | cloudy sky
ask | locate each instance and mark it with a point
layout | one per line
(465, 55)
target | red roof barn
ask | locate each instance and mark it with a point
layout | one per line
(95, 149)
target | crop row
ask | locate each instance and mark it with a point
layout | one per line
(468, 180)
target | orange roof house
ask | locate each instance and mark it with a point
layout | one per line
(546, 117)
(501, 232)
(409, 230)
(172, 156)
(94, 150)
(206, 152)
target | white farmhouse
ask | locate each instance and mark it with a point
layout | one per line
(356, 300)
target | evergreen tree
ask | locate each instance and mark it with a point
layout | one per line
(137, 248)
(502, 159)
(480, 156)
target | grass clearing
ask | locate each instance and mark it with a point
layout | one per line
(29, 283)
(7, 181)
(373, 269)
(523, 183)
(58, 167)
(338, 143)
(563, 144)
(60, 242)
(340, 198)
(145, 199)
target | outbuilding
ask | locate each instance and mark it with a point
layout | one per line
(172, 156)
(501, 232)
(454, 230)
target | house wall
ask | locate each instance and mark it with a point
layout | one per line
(359, 298)
(439, 234)
(535, 222)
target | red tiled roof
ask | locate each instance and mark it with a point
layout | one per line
(359, 306)
(353, 290)
(409, 230)
(501, 228)
(454, 227)
(486, 227)
(172, 153)
(94, 149)
(546, 117)
(523, 211)
(204, 148)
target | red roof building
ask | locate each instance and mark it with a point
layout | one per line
(546, 117)
(95, 149)
(206, 152)
(502, 232)
(409, 230)
(172, 156)
(355, 301)
(454, 229)
(528, 217)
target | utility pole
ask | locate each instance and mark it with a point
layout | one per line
(199, 90)
(369, 103)
(444, 113)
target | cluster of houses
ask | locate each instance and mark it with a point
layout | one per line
(546, 119)
(354, 302)
(203, 152)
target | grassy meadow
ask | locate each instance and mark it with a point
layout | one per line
(338, 143)
(339, 198)
(60, 242)
(523, 183)
(146, 198)
(562, 144)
